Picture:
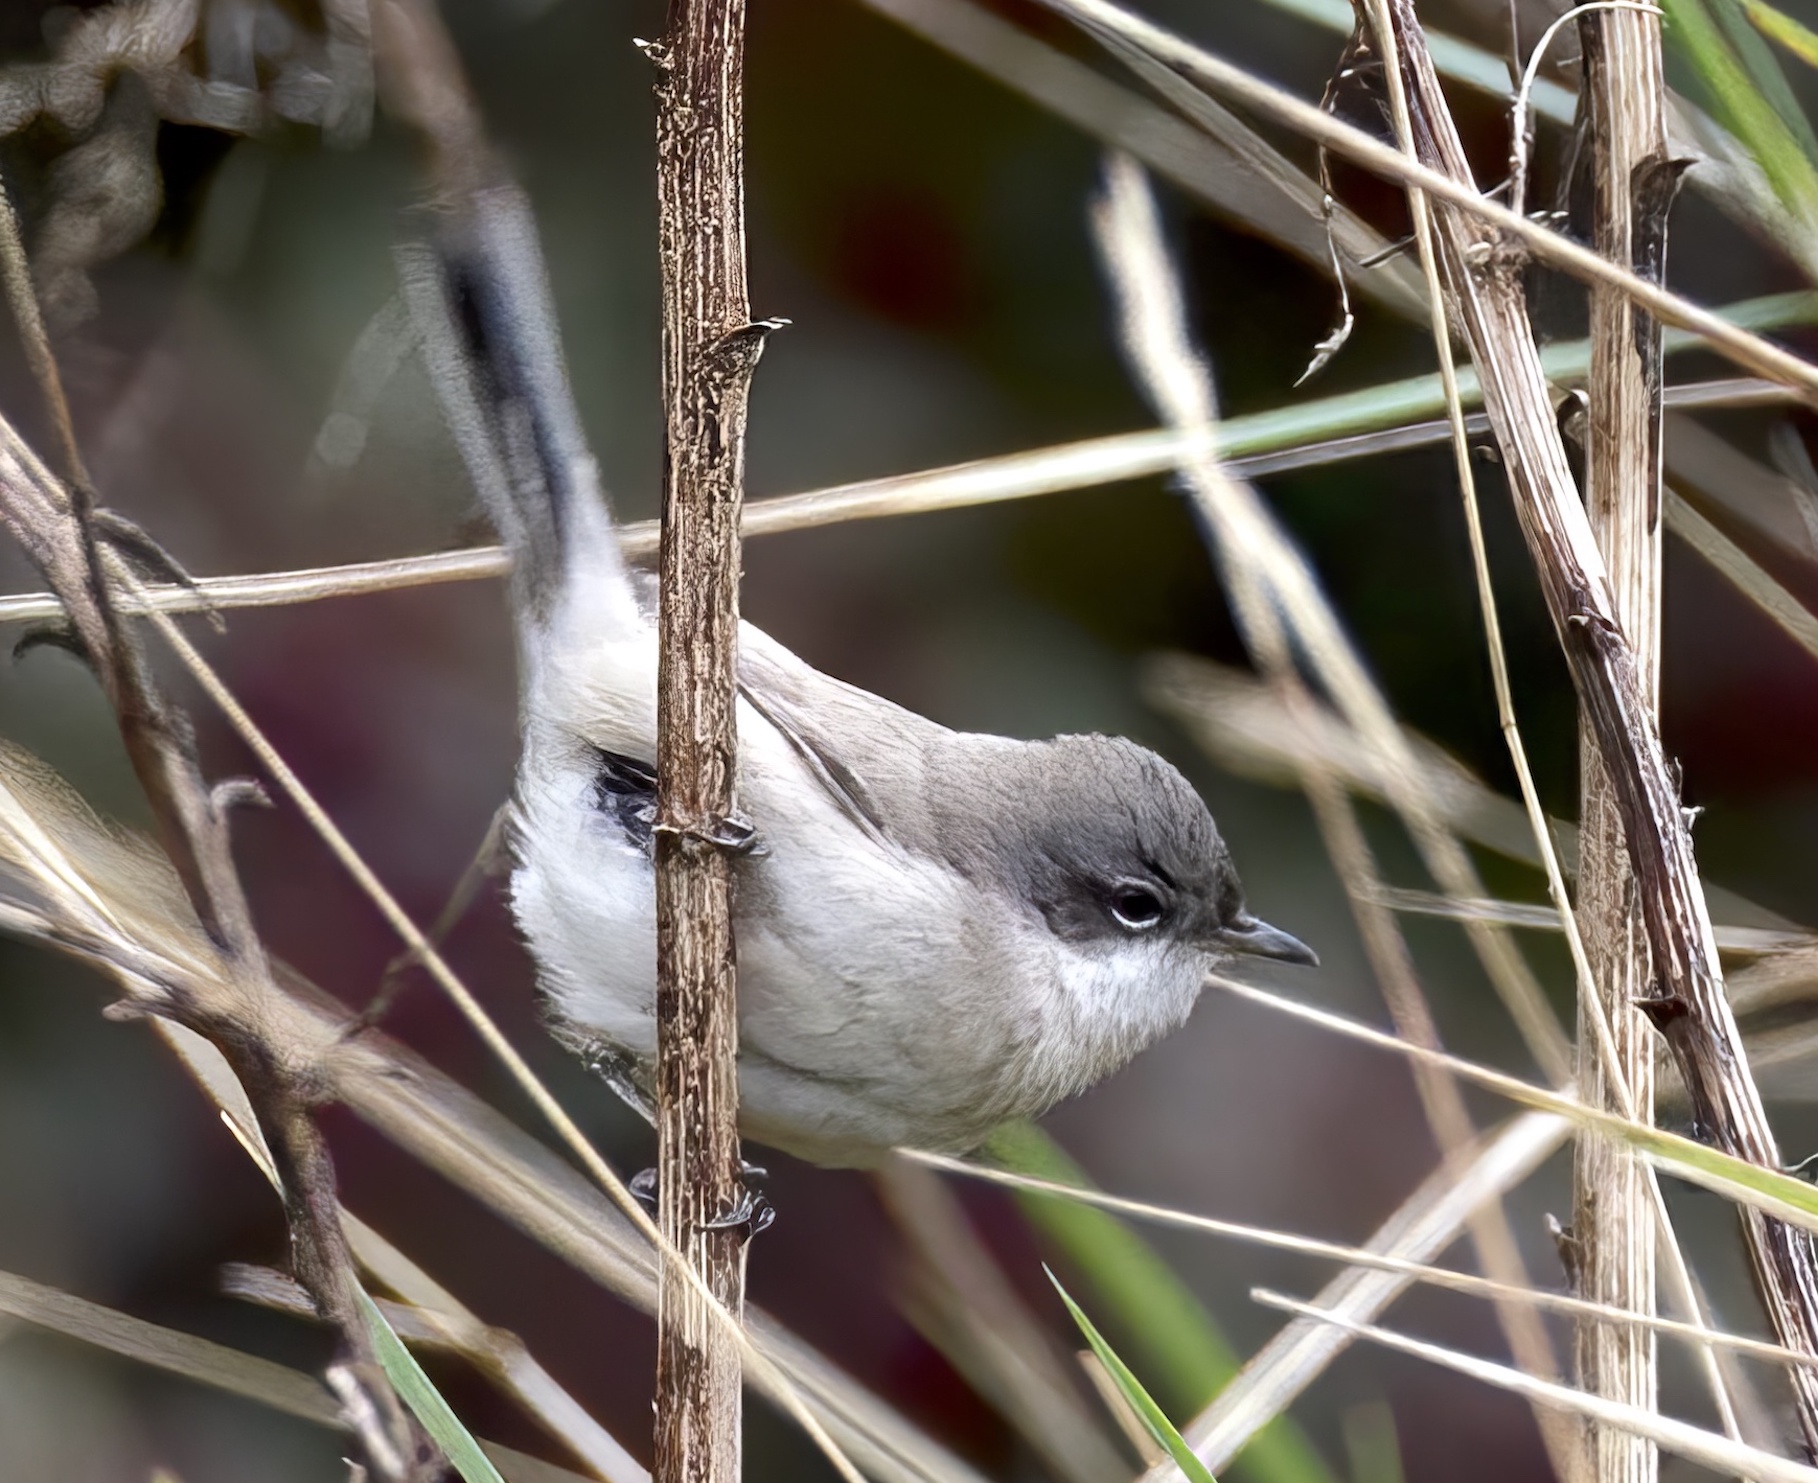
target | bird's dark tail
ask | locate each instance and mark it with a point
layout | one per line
(479, 301)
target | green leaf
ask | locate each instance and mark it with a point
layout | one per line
(425, 1401)
(1394, 403)
(1782, 29)
(1374, 1448)
(1156, 1313)
(1750, 95)
(1152, 1415)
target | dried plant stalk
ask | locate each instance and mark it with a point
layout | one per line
(57, 528)
(710, 348)
(959, 1296)
(1426, 1223)
(59, 524)
(1718, 1453)
(1613, 1222)
(1253, 557)
(1685, 998)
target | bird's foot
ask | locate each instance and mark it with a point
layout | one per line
(751, 1209)
(643, 1188)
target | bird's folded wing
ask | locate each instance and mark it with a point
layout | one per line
(865, 752)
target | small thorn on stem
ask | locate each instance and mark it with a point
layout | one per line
(233, 793)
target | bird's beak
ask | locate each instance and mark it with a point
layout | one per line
(1259, 940)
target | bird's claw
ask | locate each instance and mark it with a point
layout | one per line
(751, 1209)
(733, 835)
(643, 1188)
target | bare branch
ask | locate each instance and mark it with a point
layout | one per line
(53, 527)
(710, 349)
(1612, 1220)
(74, 547)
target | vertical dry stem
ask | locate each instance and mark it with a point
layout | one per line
(1685, 996)
(710, 348)
(1255, 560)
(1612, 1208)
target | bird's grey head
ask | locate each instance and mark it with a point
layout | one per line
(1112, 845)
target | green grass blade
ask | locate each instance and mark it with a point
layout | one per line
(1783, 30)
(1152, 1415)
(1178, 1341)
(1372, 1443)
(425, 1401)
(1758, 61)
(1750, 95)
(1419, 397)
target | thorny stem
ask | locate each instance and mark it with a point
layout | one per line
(710, 349)
(1686, 998)
(421, 82)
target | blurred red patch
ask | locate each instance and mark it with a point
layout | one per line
(899, 252)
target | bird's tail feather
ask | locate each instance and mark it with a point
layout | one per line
(479, 301)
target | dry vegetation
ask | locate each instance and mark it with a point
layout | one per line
(1672, 985)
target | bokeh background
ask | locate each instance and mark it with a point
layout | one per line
(925, 232)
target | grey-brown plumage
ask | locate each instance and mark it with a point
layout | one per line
(941, 930)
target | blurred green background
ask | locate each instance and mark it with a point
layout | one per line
(924, 230)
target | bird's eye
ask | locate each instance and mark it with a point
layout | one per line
(1136, 907)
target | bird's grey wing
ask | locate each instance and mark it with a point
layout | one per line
(836, 778)
(867, 754)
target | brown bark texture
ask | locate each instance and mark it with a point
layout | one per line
(1613, 1217)
(709, 350)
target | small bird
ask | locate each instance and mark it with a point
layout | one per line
(939, 930)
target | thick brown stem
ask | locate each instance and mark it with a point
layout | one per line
(1613, 1217)
(1685, 998)
(710, 348)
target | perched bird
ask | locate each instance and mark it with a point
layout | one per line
(940, 930)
